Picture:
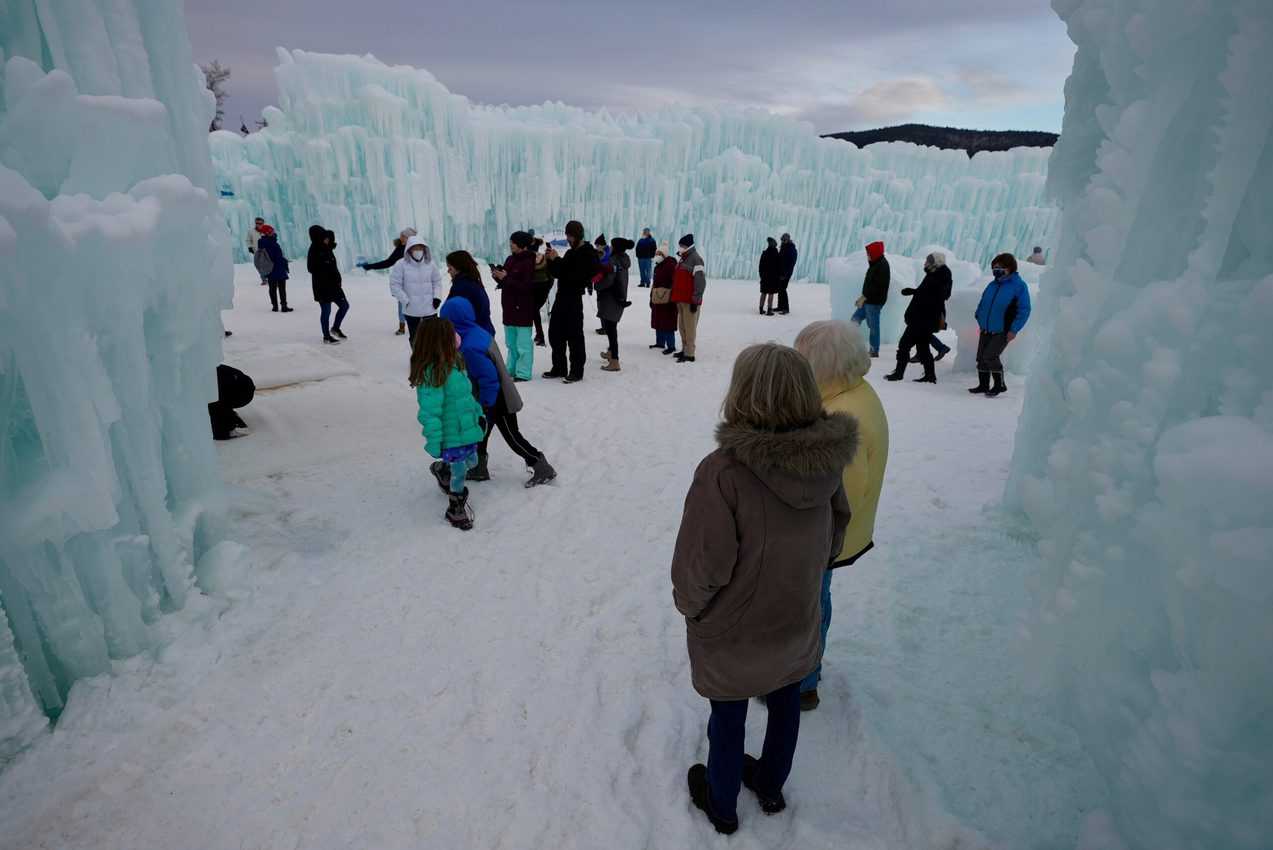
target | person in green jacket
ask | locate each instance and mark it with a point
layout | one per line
(450, 417)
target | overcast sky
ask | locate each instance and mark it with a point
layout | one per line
(841, 64)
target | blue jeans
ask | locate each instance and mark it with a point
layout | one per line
(870, 312)
(521, 351)
(726, 736)
(459, 469)
(810, 682)
(325, 311)
(665, 340)
(402, 317)
(646, 265)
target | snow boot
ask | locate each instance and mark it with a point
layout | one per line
(330, 340)
(612, 365)
(442, 472)
(458, 513)
(479, 472)
(684, 358)
(809, 700)
(541, 473)
(286, 309)
(551, 374)
(999, 388)
(572, 379)
(338, 332)
(605, 355)
(768, 805)
(983, 383)
(273, 309)
(701, 797)
(929, 376)
(898, 373)
(656, 345)
(668, 351)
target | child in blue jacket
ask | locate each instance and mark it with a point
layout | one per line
(1002, 313)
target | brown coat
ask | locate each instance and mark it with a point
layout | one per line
(764, 518)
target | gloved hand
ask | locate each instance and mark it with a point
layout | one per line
(363, 266)
(437, 302)
(251, 250)
(693, 308)
(908, 291)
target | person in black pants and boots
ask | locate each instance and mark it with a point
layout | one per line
(277, 277)
(787, 255)
(924, 317)
(1002, 313)
(326, 281)
(574, 273)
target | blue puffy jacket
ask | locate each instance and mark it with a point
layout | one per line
(1005, 305)
(474, 343)
(475, 293)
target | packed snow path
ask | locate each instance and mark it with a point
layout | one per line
(378, 679)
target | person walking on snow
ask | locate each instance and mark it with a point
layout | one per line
(574, 273)
(645, 250)
(874, 293)
(1001, 314)
(466, 283)
(399, 247)
(770, 276)
(495, 391)
(612, 299)
(517, 298)
(253, 238)
(837, 353)
(688, 287)
(662, 310)
(924, 317)
(325, 278)
(416, 283)
(763, 519)
(788, 254)
(450, 417)
(271, 262)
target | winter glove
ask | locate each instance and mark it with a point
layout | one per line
(908, 291)
(437, 302)
(251, 250)
(363, 266)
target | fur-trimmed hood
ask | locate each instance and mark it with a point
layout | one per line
(802, 467)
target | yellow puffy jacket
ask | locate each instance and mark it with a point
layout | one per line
(864, 477)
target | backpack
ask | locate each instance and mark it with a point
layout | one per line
(261, 259)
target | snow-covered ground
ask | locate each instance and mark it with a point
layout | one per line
(372, 678)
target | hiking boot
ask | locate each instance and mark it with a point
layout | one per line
(768, 805)
(999, 388)
(701, 797)
(809, 700)
(541, 473)
(442, 472)
(479, 472)
(605, 355)
(983, 384)
(612, 365)
(684, 358)
(458, 513)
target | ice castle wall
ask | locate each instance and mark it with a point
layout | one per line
(1144, 456)
(367, 149)
(114, 265)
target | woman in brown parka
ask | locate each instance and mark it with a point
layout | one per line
(764, 518)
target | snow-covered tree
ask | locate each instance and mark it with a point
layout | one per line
(216, 75)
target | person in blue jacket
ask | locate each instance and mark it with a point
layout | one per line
(1002, 313)
(646, 248)
(474, 344)
(466, 282)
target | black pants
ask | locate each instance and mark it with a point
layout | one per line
(783, 306)
(915, 338)
(565, 331)
(413, 322)
(278, 292)
(726, 732)
(612, 334)
(499, 417)
(989, 348)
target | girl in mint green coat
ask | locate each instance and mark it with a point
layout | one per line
(450, 417)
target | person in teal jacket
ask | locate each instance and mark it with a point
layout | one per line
(450, 417)
(1002, 313)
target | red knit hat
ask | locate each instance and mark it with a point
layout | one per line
(266, 230)
(875, 250)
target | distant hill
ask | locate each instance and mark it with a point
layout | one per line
(950, 138)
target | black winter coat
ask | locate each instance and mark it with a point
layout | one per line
(387, 262)
(574, 273)
(323, 271)
(788, 255)
(928, 303)
(770, 271)
(646, 248)
(875, 284)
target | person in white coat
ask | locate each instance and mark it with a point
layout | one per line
(417, 284)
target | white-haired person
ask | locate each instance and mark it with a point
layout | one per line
(840, 360)
(925, 316)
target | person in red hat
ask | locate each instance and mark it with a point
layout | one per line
(874, 293)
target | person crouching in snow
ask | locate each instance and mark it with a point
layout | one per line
(764, 519)
(450, 417)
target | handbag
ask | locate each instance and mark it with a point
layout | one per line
(660, 295)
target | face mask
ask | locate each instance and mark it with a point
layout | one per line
(417, 255)
(999, 273)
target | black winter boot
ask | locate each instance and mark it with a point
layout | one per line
(701, 796)
(458, 513)
(479, 472)
(983, 383)
(898, 372)
(442, 472)
(999, 388)
(768, 805)
(541, 473)
(929, 376)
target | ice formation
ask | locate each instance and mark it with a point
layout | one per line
(114, 265)
(1144, 456)
(367, 149)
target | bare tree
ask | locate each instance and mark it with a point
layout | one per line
(216, 75)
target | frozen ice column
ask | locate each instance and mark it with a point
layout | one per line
(1144, 456)
(114, 265)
